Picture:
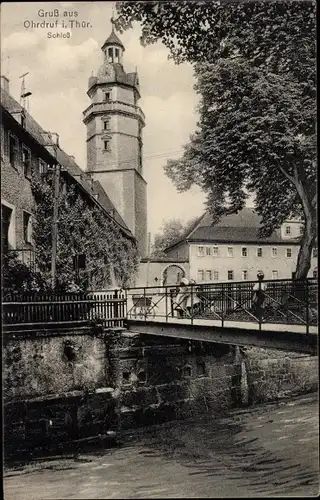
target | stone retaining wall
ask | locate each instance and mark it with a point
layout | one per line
(65, 387)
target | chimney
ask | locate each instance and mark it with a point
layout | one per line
(5, 83)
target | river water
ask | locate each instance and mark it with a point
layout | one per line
(267, 451)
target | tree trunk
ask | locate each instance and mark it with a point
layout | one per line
(308, 240)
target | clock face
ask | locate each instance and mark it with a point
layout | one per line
(108, 71)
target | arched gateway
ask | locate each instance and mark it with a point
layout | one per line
(172, 274)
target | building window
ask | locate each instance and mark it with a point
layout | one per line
(13, 151)
(274, 252)
(288, 230)
(200, 251)
(245, 275)
(259, 252)
(106, 145)
(200, 275)
(215, 251)
(208, 275)
(315, 273)
(26, 161)
(116, 55)
(201, 368)
(208, 251)
(6, 214)
(301, 230)
(107, 96)
(314, 253)
(216, 275)
(288, 252)
(187, 371)
(244, 252)
(42, 167)
(230, 275)
(230, 251)
(26, 227)
(274, 275)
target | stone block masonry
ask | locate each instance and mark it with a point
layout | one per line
(64, 388)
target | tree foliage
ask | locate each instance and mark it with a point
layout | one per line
(17, 277)
(255, 72)
(171, 231)
(82, 229)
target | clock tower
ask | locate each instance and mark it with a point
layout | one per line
(114, 124)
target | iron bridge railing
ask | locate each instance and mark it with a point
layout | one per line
(284, 301)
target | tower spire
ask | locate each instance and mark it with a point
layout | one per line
(112, 20)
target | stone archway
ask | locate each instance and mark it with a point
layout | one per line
(172, 274)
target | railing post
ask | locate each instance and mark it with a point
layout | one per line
(144, 304)
(307, 304)
(191, 310)
(222, 304)
(166, 288)
(126, 304)
(260, 306)
(116, 313)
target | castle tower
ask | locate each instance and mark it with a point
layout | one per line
(114, 124)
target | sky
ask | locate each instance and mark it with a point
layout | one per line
(59, 70)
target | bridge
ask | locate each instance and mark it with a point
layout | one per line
(215, 312)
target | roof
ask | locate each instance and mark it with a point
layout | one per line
(70, 167)
(105, 201)
(242, 227)
(113, 39)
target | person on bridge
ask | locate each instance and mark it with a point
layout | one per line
(193, 301)
(182, 298)
(258, 299)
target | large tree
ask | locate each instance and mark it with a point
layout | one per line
(255, 71)
(171, 231)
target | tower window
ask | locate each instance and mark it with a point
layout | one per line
(106, 145)
(106, 124)
(140, 157)
(110, 54)
(116, 55)
(107, 96)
